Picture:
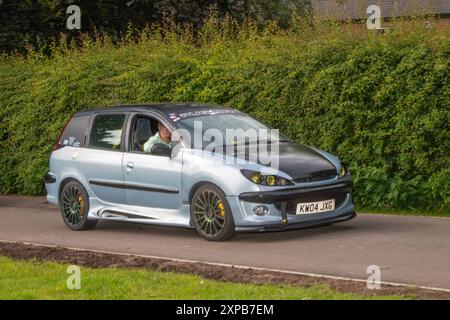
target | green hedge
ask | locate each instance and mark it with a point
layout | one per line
(380, 102)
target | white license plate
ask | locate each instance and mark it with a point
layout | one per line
(315, 207)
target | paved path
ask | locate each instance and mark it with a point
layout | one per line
(412, 250)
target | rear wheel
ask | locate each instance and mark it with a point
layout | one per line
(74, 205)
(211, 214)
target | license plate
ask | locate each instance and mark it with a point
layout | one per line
(315, 207)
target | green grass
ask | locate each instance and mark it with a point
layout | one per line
(36, 280)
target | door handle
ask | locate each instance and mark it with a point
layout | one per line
(130, 165)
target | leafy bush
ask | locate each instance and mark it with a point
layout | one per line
(380, 102)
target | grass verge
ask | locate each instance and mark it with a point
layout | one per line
(47, 280)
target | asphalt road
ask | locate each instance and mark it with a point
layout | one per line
(411, 250)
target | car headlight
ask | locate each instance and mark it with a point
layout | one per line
(266, 180)
(343, 171)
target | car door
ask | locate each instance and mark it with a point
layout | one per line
(150, 180)
(101, 161)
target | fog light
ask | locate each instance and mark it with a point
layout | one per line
(261, 210)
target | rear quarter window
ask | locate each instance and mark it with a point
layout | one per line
(106, 131)
(75, 132)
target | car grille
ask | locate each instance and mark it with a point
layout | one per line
(339, 194)
(318, 177)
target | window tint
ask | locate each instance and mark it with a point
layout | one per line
(142, 131)
(106, 131)
(75, 130)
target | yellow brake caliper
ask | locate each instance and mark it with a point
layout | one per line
(82, 206)
(221, 208)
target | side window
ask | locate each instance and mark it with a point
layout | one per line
(143, 128)
(106, 131)
(75, 130)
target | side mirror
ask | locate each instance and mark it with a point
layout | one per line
(160, 149)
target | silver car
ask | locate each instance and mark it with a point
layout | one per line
(103, 168)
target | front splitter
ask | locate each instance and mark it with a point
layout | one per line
(294, 226)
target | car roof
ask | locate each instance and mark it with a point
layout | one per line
(163, 107)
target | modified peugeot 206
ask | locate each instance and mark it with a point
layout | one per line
(100, 170)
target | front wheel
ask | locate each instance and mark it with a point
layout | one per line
(74, 205)
(211, 214)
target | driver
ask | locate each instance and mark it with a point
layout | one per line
(162, 136)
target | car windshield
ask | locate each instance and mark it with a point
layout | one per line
(228, 129)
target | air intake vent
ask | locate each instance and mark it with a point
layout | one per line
(317, 177)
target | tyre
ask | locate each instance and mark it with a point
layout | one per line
(211, 214)
(74, 205)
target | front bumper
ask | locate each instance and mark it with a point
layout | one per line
(286, 194)
(282, 207)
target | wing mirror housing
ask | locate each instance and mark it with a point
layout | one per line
(160, 149)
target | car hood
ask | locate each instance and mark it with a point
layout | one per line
(297, 160)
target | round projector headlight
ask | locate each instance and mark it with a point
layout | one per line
(265, 180)
(271, 180)
(256, 178)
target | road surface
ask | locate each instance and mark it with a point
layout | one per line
(411, 250)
